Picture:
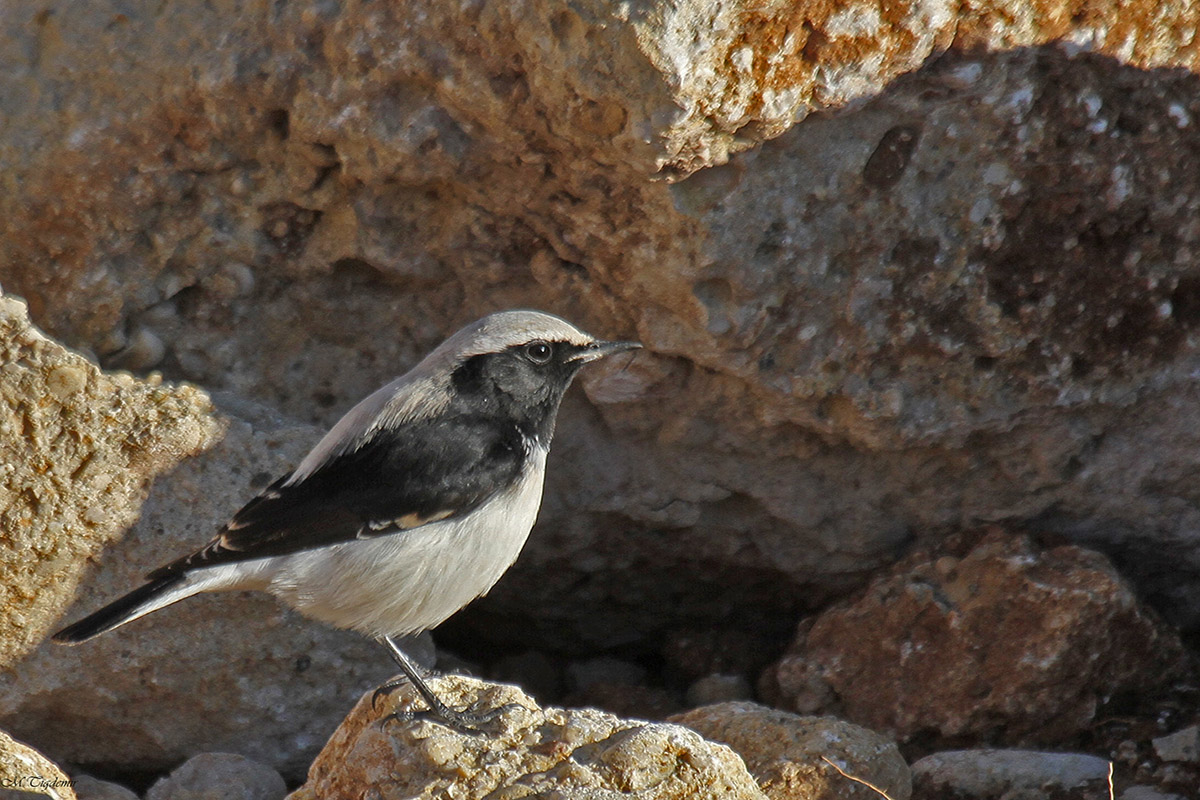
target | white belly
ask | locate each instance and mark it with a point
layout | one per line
(406, 582)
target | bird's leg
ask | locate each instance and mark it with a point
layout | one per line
(461, 721)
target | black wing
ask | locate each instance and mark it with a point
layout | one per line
(396, 480)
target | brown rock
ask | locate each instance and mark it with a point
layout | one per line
(1007, 644)
(567, 753)
(790, 756)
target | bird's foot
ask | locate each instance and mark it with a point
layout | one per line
(467, 721)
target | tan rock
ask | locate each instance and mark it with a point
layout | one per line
(567, 753)
(26, 773)
(79, 449)
(1008, 643)
(799, 758)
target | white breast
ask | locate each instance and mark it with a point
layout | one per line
(406, 582)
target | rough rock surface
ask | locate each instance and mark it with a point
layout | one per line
(1011, 775)
(555, 752)
(972, 295)
(219, 776)
(787, 754)
(26, 773)
(1006, 644)
(232, 672)
(89, 788)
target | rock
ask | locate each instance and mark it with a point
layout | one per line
(713, 689)
(219, 776)
(25, 773)
(1183, 745)
(1147, 793)
(235, 671)
(799, 758)
(568, 753)
(77, 449)
(1011, 775)
(89, 788)
(970, 294)
(885, 320)
(1007, 643)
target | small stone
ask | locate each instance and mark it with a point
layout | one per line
(220, 776)
(65, 380)
(786, 752)
(89, 788)
(1183, 745)
(986, 774)
(1148, 793)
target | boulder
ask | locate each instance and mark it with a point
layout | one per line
(25, 773)
(968, 295)
(529, 751)
(1011, 775)
(805, 758)
(1007, 643)
(104, 476)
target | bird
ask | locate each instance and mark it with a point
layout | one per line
(411, 506)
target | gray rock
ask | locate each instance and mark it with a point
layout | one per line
(1148, 793)
(1182, 745)
(219, 776)
(89, 788)
(1011, 775)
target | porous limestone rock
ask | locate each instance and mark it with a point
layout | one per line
(78, 448)
(1004, 643)
(574, 754)
(805, 758)
(26, 773)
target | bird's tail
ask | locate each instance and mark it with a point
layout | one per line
(141, 601)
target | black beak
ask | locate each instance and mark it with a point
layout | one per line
(597, 350)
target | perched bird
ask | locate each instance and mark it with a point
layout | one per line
(414, 504)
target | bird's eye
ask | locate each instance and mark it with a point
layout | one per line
(539, 352)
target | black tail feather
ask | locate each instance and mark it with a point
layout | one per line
(116, 612)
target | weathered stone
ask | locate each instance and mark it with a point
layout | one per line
(1011, 775)
(89, 788)
(219, 776)
(969, 296)
(1182, 745)
(531, 751)
(25, 773)
(805, 758)
(1007, 644)
(78, 448)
